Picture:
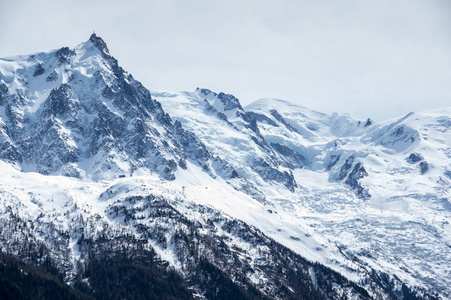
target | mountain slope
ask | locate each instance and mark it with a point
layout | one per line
(398, 169)
(355, 181)
(75, 112)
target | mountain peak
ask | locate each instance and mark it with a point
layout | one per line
(205, 92)
(99, 43)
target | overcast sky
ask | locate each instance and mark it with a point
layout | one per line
(377, 59)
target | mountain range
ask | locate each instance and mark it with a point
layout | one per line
(109, 186)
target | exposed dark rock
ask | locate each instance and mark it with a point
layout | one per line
(206, 92)
(269, 173)
(334, 158)
(52, 77)
(414, 158)
(400, 133)
(424, 167)
(261, 118)
(345, 168)
(369, 122)
(8, 151)
(220, 115)
(230, 102)
(193, 148)
(99, 43)
(39, 70)
(294, 159)
(279, 118)
(3, 91)
(352, 177)
(64, 55)
(234, 174)
(357, 173)
(60, 102)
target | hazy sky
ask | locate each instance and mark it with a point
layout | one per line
(377, 59)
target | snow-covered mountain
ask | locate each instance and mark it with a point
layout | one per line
(280, 200)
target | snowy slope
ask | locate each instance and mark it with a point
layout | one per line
(357, 193)
(88, 153)
(65, 215)
(403, 226)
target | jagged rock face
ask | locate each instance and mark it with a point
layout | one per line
(293, 159)
(230, 133)
(89, 118)
(358, 172)
(350, 173)
(8, 151)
